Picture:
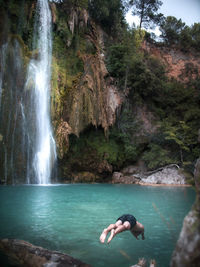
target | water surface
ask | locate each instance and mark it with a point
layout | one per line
(70, 219)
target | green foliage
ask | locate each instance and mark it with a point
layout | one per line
(123, 57)
(195, 34)
(18, 18)
(175, 104)
(170, 30)
(147, 78)
(142, 78)
(93, 142)
(181, 135)
(185, 39)
(179, 102)
(116, 62)
(108, 149)
(122, 146)
(108, 13)
(66, 5)
(175, 32)
(126, 132)
(63, 30)
(156, 156)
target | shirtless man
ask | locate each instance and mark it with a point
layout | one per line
(123, 223)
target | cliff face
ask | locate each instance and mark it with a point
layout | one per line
(92, 98)
(82, 92)
(179, 65)
(186, 253)
(84, 97)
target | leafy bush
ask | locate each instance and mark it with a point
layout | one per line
(93, 141)
(156, 156)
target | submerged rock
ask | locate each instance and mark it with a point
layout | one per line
(21, 253)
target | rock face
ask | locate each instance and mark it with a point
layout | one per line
(119, 178)
(187, 251)
(169, 175)
(21, 253)
(179, 65)
(93, 97)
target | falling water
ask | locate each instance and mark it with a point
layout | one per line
(27, 146)
(3, 52)
(38, 80)
(11, 84)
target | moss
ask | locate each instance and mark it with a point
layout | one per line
(93, 142)
(63, 83)
(17, 19)
(105, 148)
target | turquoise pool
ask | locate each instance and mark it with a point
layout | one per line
(70, 218)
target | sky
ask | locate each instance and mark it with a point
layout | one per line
(186, 10)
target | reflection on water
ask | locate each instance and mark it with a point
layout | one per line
(70, 218)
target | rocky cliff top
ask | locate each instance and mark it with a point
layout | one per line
(179, 65)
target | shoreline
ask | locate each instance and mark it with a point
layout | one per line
(170, 185)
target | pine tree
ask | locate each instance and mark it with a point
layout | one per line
(147, 10)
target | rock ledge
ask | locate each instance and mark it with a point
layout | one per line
(24, 254)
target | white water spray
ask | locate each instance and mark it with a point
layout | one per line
(39, 74)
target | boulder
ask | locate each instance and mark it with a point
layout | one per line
(167, 175)
(119, 178)
(130, 170)
(134, 169)
(116, 176)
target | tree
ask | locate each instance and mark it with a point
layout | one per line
(156, 156)
(195, 32)
(171, 29)
(185, 39)
(147, 10)
(182, 135)
(108, 13)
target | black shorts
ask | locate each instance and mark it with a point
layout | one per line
(127, 217)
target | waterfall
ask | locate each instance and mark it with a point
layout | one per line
(3, 52)
(39, 75)
(27, 146)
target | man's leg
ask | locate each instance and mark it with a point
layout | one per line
(123, 227)
(108, 229)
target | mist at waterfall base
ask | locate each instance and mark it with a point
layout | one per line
(70, 219)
